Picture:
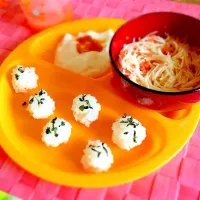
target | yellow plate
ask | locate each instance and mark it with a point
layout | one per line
(21, 134)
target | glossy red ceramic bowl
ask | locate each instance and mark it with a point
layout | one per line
(163, 22)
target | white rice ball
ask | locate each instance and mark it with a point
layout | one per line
(41, 105)
(24, 78)
(85, 109)
(128, 132)
(97, 157)
(56, 132)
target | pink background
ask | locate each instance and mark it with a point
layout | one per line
(178, 180)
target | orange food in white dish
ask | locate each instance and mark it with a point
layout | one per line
(86, 53)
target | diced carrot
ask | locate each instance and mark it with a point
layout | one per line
(168, 49)
(127, 72)
(145, 67)
(165, 50)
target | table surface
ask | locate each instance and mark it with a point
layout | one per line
(178, 180)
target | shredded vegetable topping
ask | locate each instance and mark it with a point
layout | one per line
(164, 64)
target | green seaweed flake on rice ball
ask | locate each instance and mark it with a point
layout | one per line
(97, 157)
(128, 132)
(56, 132)
(41, 105)
(86, 109)
(24, 78)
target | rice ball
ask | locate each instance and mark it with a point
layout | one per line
(24, 78)
(41, 105)
(97, 157)
(56, 132)
(128, 132)
(85, 109)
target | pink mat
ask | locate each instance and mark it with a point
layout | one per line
(178, 180)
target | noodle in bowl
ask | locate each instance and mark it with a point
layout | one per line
(154, 62)
(158, 62)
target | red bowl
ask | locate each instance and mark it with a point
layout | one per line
(164, 22)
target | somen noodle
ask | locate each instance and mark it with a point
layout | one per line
(164, 64)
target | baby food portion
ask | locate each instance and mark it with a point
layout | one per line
(86, 54)
(24, 78)
(56, 132)
(97, 157)
(86, 109)
(41, 105)
(128, 132)
(167, 64)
